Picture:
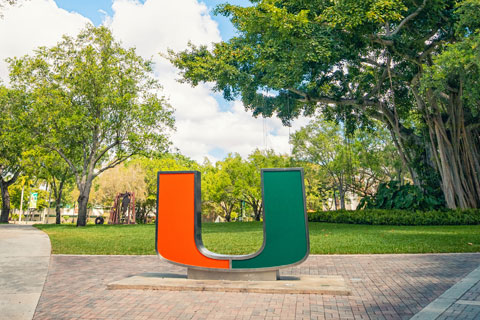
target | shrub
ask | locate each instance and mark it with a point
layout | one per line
(14, 217)
(393, 195)
(398, 217)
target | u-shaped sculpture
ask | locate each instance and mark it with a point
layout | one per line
(285, 225)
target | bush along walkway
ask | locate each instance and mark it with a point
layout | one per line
(398, 217)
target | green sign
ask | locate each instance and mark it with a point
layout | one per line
(33, 200)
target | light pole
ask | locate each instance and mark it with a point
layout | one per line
(49, 201)
(21, 204)
(242, 210)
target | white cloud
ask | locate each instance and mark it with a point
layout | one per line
(234, 131)
(201, 126)
(34, 23)
(153, 27)
(157, 24)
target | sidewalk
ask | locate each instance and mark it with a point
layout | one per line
(390, 286)
(24, 260)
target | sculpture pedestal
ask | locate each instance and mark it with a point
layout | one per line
(196, 274)
(331, 285)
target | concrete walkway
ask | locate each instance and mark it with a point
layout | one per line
(24, 260)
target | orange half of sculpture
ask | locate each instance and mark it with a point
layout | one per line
(177, 205)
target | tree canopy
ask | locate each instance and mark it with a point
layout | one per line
(92, 102)
(14, 142)
(355, 162)
(413, 65)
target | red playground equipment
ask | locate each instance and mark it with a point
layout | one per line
(123, 210)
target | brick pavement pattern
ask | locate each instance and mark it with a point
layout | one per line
(383, 287)
(466, 308)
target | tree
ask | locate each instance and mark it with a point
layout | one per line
(210, 208)
(29, 184)
(94, 103)
(318, 186)
(322, 142)
(51, 167)
(14, 141)
(355, 162)
(234, 180)
(376, 160)
(59, 177)
(123, 178)
(223, 185)
(139, 175)
(449, 98)
(366, 59)
(251, 191)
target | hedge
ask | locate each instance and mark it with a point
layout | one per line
(398, 217)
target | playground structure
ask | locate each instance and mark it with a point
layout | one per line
(123, 210)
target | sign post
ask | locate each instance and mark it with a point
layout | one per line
(32, 203)
(21, 204)
(33, 200)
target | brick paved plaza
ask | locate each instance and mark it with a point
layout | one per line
(466, 308)
(383, 287)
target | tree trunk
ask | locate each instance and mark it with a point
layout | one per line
(82, 210)
(341, 192)
(407, 162)
(5, 202)
(335, 200)
(57, 194)
(228, 214)
(257, 210)
(456, 152)
(411, 147)
(227, 210)
(6, 196)
(57, 212)
(140, 212)
(83, 202)
(58, 202)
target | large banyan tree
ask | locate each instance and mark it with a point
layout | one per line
(412, 64)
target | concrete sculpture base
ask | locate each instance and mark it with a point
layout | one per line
(329, 285)
(196, 274)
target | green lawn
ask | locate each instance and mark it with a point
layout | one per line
(242, 238)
